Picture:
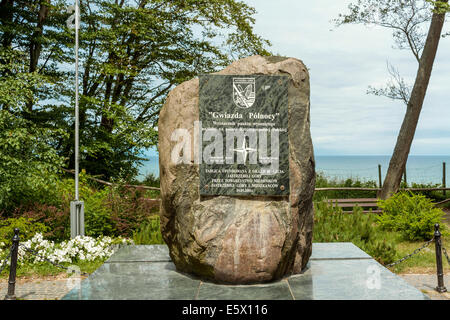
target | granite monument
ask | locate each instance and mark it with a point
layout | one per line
(237, 172)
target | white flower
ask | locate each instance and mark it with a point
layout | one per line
(81, 247)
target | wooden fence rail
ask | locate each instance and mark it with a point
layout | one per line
(376, 189)
(114, 184)
(316, 189)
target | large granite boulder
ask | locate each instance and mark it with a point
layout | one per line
(238, 239)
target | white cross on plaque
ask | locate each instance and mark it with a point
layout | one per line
(244, 150)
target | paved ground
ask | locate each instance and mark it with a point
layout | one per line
(45, 288)
(54, 288)
(426, 283)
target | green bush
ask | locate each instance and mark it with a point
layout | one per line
(331, 224)
(323, 181)
(109, 211)
(434, 195)
(55, 213)
(27, 228)
(151, 180)
(149, 232)
(412, 215)
(55, 218)
(28, 162)
(97, 217)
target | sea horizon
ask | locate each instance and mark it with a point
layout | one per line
(419, 168)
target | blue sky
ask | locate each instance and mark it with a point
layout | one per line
(343, 62)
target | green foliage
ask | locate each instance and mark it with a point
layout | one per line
(28, 161)
(97, 217)
(129, 208)
(439, 6)
(109, 211)
(435, 196)
(54, 217)
(331, 224)
(414, 216)
(149, 232)
(27, 228)
(46, 269)
(323, 181)
(55, 211)
(132, 53)
(28, 165)
(406, 18)
(150, 180)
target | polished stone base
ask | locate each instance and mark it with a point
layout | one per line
(336, 271)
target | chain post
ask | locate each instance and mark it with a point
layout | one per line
(11, 295)
(440, 273)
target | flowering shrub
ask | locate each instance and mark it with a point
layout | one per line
(80, 248)
(111, 211)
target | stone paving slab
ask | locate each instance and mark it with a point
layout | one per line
(141, 253)
(129, 275)
(160, 253)
(273, 291)
(337, 250)
(335, 271)
(136, 281)
(351, 279)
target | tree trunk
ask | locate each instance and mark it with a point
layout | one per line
(36, 45)
(404, 140)
(6, 19)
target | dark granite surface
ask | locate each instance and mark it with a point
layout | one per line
(336, 271)
(229, 103)
(273, 291)
(152, 253)
(354, 279)
(337, 250)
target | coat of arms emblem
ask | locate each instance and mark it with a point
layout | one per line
(244, 92)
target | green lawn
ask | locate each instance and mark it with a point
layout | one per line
(424, 261)
(44, 269)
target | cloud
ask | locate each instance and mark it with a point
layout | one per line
(342, 64)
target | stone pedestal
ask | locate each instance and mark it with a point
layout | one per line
(238, 238)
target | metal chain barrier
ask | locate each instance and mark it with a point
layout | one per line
(446, 255)
(33, 252)
(426, 244)
(439, 249)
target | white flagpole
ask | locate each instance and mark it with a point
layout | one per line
(77, 206)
